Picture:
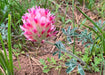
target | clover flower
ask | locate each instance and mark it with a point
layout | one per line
(38, 24)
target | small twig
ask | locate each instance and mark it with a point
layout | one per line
(82, 9)
(37, 62)
(31, 66)
(2, 70)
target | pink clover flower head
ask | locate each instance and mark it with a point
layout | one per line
(38, 24)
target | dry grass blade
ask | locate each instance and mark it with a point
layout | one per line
(37, 63)
(2, 70)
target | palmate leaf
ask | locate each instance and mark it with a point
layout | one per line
(55, 53)
(86, 37)
(59, 53)
(69, 69)
(68, 30)
(64, 31)
(80, 70)
(3, 30)
(72, 61)
(69, 33)
(69, 39)
(71, 65)
(60, 47)
(73, 33)
(100, 24)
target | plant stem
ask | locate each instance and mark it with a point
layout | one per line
(9, 43)
(102, 64)
(68, 52)
(90, 19)
(49, 42)
(37, 49)
(73, 25)
(5, 53)
(45, 3)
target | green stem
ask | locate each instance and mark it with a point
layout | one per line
(89, 19)
(45, 3)
(73, 25)
(92, 30)
(103, 63)
(19, 63)
(9, 43)
(103, 49)
(49, 42)
(5, 53)
(68, 52)
(103, 42)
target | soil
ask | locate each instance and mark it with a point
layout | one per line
(30, 64)
(31, 67)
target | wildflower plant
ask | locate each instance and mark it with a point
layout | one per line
(38, 24)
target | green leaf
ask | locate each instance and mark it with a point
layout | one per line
(97, 60)
(72, 61)
(99, 29)
(68, 30)
(3, 46)
(53, 60)
(80, 70)
(68, 21)
(22, 52)
(92, 30)
(17, 54)
(55, 53)
(69, 39)
(71, 65)
(46, 70)
(63, 30)
(48, 59)
(83, 22)
(4, 64)
(45, 66)
(60, 46)
(42, 61)
(103, 41)
(69, 69)
(59, 55)
(2, 61)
